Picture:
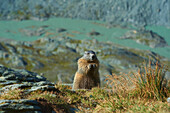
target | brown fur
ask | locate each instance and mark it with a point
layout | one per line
(87, 75)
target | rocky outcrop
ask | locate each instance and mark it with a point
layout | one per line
(144, 37)
(143, 12)
(19, 106)
(19, 79)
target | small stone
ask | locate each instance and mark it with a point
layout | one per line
(61, 30)
(94, 33)
(168, 99)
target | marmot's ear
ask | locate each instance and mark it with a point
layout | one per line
(86, 52)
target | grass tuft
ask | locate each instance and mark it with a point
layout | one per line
(149, 82)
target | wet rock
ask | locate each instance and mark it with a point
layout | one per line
(94, 33)
(59, 30)
(29, 32)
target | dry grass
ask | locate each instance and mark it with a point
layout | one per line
(149, 82)
(12, 94)
(143, 91)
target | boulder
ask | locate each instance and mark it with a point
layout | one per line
(12, 79)
(21, 78)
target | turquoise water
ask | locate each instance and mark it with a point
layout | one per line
(11, 30)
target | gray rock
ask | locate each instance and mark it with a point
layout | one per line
(136, 12)
(148, 38)
(19, 105)
(45, 53)
(46, 40)
(71, 45)
(13, 86)
(18, 61)
(61, 49)
(35, 63)
(52, 46)
(59, 30)
(94, 33)
(4, 55)
(7, 82)
(29, 32)
(42, 88)
(38, 65)
(2, 48)
(12, 79)
(19, 78)
(11, 48)
(24, 51)
(167, 75)
(168, 99)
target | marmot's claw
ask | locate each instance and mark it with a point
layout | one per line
(92, 66)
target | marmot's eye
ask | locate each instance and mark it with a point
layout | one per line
(88, 53)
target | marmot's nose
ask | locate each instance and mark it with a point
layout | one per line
(93, 57)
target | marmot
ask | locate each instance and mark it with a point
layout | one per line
(87, 75)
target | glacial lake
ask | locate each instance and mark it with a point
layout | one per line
(79, 29)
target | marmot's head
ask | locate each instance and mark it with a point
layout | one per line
(90, 55)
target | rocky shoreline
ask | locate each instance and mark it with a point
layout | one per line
(145, 37)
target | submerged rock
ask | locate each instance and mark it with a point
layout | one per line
(94, 33)
(33, 32)
(59, 30)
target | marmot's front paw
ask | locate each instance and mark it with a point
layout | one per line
(94, 65)
(91, 66)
